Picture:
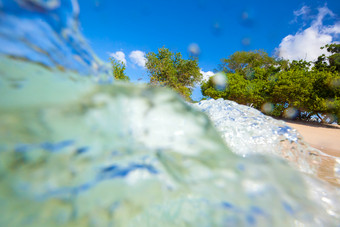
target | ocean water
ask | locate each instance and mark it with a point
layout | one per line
(79, 150)
(261, 134)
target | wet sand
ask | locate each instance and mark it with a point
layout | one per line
(324, 137)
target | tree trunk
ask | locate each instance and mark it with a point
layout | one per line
(322, 121)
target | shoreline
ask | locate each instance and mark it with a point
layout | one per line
(324, 137)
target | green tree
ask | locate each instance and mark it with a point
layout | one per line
(332, 62)
(292, 88)
(325, 98)
(248, 77)
(244, 62)
(334, 59)
(244, 90)
(169, 69)
(118, 68)
(282, 84)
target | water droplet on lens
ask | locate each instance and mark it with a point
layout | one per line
(247, 18)
(245, 15)
(246, 41)
(335, 83)
(220, 81)
(194, 49)
(216, 28)
(330, 104)
(267, 108)
(290, 113)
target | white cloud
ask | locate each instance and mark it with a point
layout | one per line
(306, 43)
(206, 75)
(119, 55)
(304, 12)
(324, 11)
(138, 57)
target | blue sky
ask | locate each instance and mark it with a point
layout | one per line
(291, 29)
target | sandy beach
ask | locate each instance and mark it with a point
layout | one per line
(324, 137)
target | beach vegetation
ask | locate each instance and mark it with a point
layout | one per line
(167, 68)
(118, 70)
(294, 89)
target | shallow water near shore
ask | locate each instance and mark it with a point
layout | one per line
(76, 150)
(261, 134)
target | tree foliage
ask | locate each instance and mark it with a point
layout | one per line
(118, 69)
(254, 78)
(169, 69)
(243, 62)
(332, 62)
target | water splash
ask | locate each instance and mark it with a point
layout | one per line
(247, 131)
(77, 153)
(46, 32)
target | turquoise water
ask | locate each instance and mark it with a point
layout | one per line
(77, 150)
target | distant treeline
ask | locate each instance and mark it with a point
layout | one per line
(281, 88)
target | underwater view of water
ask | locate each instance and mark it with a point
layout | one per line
(78, 149)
